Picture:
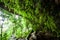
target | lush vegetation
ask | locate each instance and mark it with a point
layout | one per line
(20, 27)
(35, 14)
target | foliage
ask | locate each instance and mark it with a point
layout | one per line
(20, 27)
(35, 13)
